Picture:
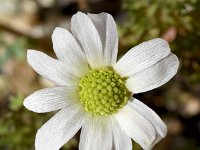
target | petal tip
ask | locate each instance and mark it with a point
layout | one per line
(78, 14)
(26, 103)
(164, 130)
(177, 62)
(57, 30)
(30, 53)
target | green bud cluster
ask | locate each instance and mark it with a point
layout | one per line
(102, 92)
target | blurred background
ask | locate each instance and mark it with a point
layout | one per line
(29, 24)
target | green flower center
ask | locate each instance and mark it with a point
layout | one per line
(102, 92)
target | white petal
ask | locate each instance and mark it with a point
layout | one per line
(154, 76)
(107, 30)
(142, 56)
(96, 134)
(59, 129)
(136, 126)
(50, 68)
(151, 116)
(86, 33)
(51, 99)
(121, 140)
(68, 50)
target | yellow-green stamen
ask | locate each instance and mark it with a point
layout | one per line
(102, 92)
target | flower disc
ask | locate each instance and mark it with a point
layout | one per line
(102, 92)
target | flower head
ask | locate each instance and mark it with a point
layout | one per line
(94, 92)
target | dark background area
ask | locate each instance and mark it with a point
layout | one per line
(29, 24)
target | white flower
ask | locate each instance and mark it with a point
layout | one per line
(94, 92)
